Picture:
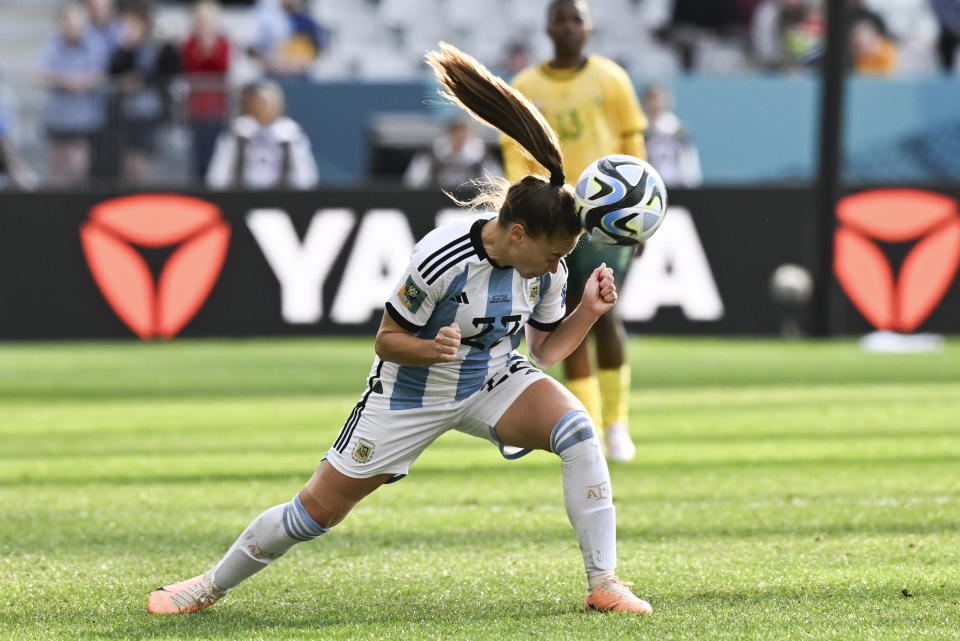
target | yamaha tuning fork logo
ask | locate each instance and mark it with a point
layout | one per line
(931, 221)
(194, 229)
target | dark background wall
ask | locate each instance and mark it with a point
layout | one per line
(742, 235)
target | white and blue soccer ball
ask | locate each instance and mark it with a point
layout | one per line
(621, 200)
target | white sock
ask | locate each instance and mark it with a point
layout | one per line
(266, 539)
(586, 491)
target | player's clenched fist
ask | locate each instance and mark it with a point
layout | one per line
(446, 342)
(608, 289)
(600, 292)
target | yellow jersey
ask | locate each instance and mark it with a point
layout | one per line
(593, 108)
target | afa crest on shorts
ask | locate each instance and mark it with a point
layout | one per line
(363, 451)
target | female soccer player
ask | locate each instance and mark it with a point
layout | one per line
(490, 275)
(590, 102)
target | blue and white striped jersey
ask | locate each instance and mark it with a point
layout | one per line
(451, 278)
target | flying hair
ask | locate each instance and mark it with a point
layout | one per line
(489, 99)
(544, 208)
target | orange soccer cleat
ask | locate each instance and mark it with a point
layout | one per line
(187, 596)
(614, 595)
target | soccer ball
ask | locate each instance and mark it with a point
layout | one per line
(621, 200)
(791, 285)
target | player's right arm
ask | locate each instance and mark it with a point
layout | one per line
(407, 311)
(398, 345)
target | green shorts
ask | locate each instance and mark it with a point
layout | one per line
(587, 257)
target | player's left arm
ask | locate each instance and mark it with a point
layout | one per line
(626, 114)
(547, 348)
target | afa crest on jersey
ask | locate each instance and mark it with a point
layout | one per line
(534, 291)
(411, 296)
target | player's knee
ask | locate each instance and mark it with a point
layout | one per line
(327, 508)
(573, 428)
(321, 514)
(298, 523)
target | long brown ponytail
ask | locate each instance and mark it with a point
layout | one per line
(468, 83)
(544, 208)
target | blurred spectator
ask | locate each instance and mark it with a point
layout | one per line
(205, 57)
(765, 39)
(696, 23)
(105, 28)
(454, 159)
(803, 32)
(104, 23)
(264, 148)
(288, 38)
(745, 10)
(517, 58)
(716, 15)
(873, 52)
(73, 72)
(14, 173)
(948, 15)
(668, 147)
(786, 34)
(141, 67)
(860, 11)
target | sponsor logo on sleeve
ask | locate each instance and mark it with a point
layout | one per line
(411, 296)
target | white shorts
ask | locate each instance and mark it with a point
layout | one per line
(379, 440)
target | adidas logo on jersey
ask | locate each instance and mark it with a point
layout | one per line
(460, 298)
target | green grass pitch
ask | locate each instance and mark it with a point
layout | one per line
(782, 491)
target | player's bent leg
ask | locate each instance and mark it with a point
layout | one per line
(329, 495)
(546, 412)
(326, 499)
(266, 539)
(529, 420)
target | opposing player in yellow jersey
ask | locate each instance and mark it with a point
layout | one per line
(590, 102)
